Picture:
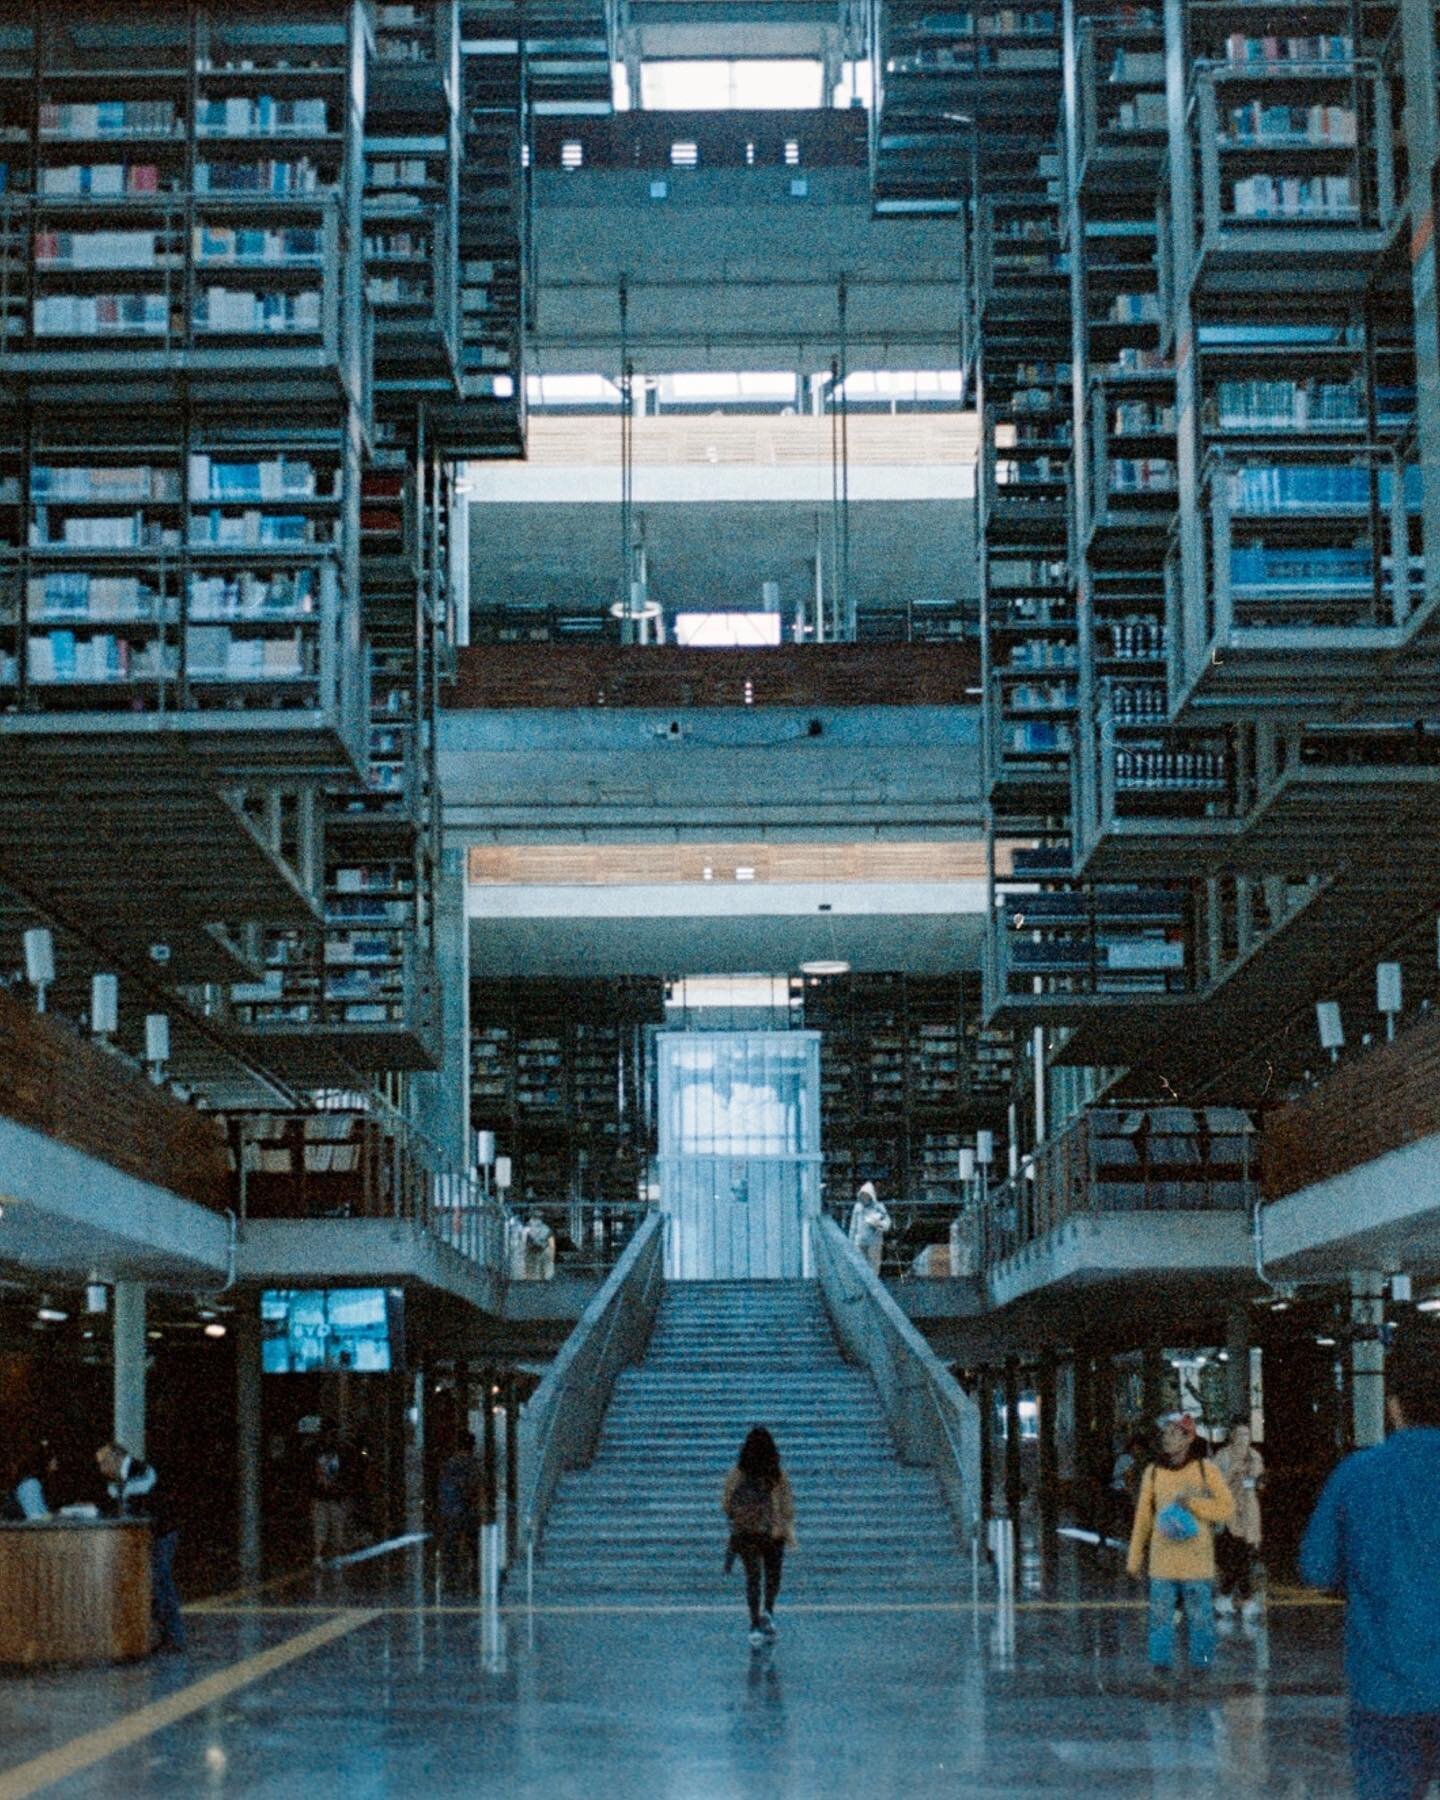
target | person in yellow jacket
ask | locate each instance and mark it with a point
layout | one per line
(1181, 1497)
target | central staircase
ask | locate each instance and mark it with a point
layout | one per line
(643, 1521)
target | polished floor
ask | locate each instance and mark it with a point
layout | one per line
(365, 1682)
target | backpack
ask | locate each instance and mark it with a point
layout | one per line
(749, 1508)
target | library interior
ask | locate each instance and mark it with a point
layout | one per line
(716, 720)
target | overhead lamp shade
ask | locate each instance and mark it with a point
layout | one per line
(825, 965)
(157, 1038)
(1387, 987)
(484, 1149)
(985, 1148)
(967, 1162)
(502, 1171)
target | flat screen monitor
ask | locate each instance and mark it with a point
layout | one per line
(323, 1331)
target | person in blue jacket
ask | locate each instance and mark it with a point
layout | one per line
(1373, 1539)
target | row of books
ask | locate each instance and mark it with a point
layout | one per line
(1316, 487)
(1027, 572)
(1294, 197)
(285, 594)
(213, 650)
(299, 176)
(359, 878)
(101, 181)
(273, 478)
(65, 656)
(1144, 112)
(1326, 48)
(115, 531)
(1128, 309)
(1133, 417)
(1043, 653)
(1138, 702)
(237, 244)
(397, 172)
(108, 118)
(260, 115)
(396, 244)
(1169, 771)
(1283, 405)
(1137, 640)
(76, 593)
(254, 529)
(1142, 475)
(102, 315)
(398, 290)
(1258, 123)
(1037, 737)
(100, 250)
(1057, 696)
(254, 314)
(131, 481)
(1311, 568)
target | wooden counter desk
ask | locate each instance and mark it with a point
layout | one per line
(74, 1591)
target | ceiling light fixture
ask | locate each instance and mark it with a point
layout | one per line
(215, 1331)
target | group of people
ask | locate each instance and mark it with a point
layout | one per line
(1197, 1518)
(131, 1489)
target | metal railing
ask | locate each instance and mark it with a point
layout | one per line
(345, 1161)
(934, 1422)
(1122, 1160)
(561, 1422)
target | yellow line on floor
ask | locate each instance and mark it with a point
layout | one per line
(84, 1752)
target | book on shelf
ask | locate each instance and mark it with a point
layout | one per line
(1259, 123)
(78, 594)
(98, 180)
(250, 245)
(102, 315)
(108, 118)
(1331, 48)
(298, 176)
(261, 115)
(216, 651)
(224, 309)
(123, 531)
(253, 528)
(284, 595)
(59, 482)
(1294, 197)
(56, 657)
(97, 250)
(232, 478)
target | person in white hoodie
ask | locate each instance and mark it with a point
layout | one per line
(869, 1221)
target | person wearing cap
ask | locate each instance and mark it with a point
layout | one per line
(869, 1221)
(1182, 1495)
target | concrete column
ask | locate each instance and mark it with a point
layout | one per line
(1045, 1394)
(248, 1455)
(415, 1453)
(1367, 1357)
(127, 1325)
(442, 1100)
(1237, 1371)
(1013, 1483)
(985, 1398)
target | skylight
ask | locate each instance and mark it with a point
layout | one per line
(726, 630)
(748, 84)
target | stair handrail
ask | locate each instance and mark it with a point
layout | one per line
(933, 1420)
(561, 1422)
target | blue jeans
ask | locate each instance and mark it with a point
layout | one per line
(164, 1595)
(1395, 1756)
(1199, 1622)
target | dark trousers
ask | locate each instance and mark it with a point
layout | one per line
(761, 1555)
(1394, 1756)
(164, 1595)
(1234, 1561)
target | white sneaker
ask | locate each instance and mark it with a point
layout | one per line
(1224, 1605)
(757, 1638)
(768, 1626)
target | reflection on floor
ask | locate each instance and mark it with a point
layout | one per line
(413, 1697)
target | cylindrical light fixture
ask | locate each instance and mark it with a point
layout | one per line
(985, 1148)
(39, 961)
(104, 1005)
(157, 1041)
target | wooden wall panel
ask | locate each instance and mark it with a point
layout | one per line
(667, 677)
(647, 865)
(1389, 1096)
(66, 1087)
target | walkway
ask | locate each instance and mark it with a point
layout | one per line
(383, 1692)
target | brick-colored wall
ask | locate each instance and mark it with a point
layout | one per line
(665, 676)
(1388, 1097)
(62, 1085)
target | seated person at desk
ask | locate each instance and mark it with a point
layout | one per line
(24, 1496)
(136, 1493)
